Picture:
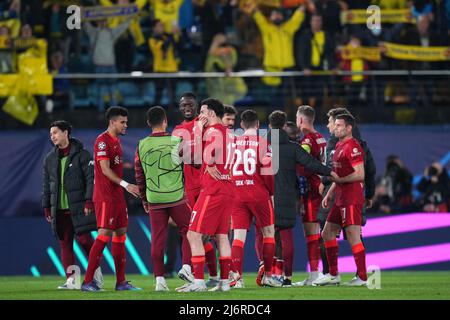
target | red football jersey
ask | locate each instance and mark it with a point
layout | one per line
(218, 143)
(192, 175)
(251, 171)
(348, 154)
(107, 147)
(317, 145)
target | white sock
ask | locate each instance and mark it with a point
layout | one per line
(214, 278)
(200, 282)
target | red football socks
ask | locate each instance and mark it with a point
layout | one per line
(332, 249)
(198, 266)
(237, 253)
(119, 255)
(225, 265)
(268, 252)
(313, 245)
(359, 253)
(287, 243)
(95, 257)
(211, 260)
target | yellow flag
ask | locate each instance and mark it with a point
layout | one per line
(23, 107)
(416, 53)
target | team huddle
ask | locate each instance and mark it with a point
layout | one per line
(215, 183)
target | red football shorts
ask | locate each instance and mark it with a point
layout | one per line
(192, 196)
(111, 215)
(346, 215)
(211, 214)
(312, 207)
(243, 212)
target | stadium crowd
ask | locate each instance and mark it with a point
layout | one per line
(231, 35)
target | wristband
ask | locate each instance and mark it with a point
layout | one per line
(124, 184)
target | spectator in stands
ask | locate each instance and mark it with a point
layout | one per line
(56, 30)
(215, 17)
(26, 32)
(423, 36)
(6, 54)
(278, 41)
(331, 13)
(397, 182)
(316, 53)
(167, 11)
(125, 46)
(435, 189)
(102, 41)
(163, 46)
(354, 84)
(222, 57)
(61, 96)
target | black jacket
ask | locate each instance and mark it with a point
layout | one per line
(78, 184)
(305, 52)
(369, 163)
(286, 191)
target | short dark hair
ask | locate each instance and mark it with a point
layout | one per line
(337, 111)
(155, 116)
(62, 125)
(113, 112)
(227, 109)
(291, 125)
(188, 94)
(214, 105)
(308, 112)
(277, 119)
(348, 119)
(249, 118)
(155, 22)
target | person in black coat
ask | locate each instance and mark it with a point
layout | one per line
(288, 154)
(68, 182)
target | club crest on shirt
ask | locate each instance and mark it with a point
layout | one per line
(101, 145)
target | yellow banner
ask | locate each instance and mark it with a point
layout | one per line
(365, 53)
(249, 5)
(360, 16)
(416, 53)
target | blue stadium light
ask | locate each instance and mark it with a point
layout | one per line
(80, 255)
(146, 230)
(35, 272)
(106, 254)
(137, 259)
(54, 257)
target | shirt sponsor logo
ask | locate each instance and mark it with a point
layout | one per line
(356, 152)
(117, 160)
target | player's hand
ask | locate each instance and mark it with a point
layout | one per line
(171, 222)
(213, 172)
(201, 123)
(88, 207)
(307, 72)
(145, 206)
(368, 203)
(334, 177)
(325, 202)
(48, 214)
(134, 190)
(321, 188)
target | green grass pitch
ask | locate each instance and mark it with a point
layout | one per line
(394, 285)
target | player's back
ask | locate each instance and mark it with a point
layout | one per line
(107, 147)
(251, 172)
(218, 143)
